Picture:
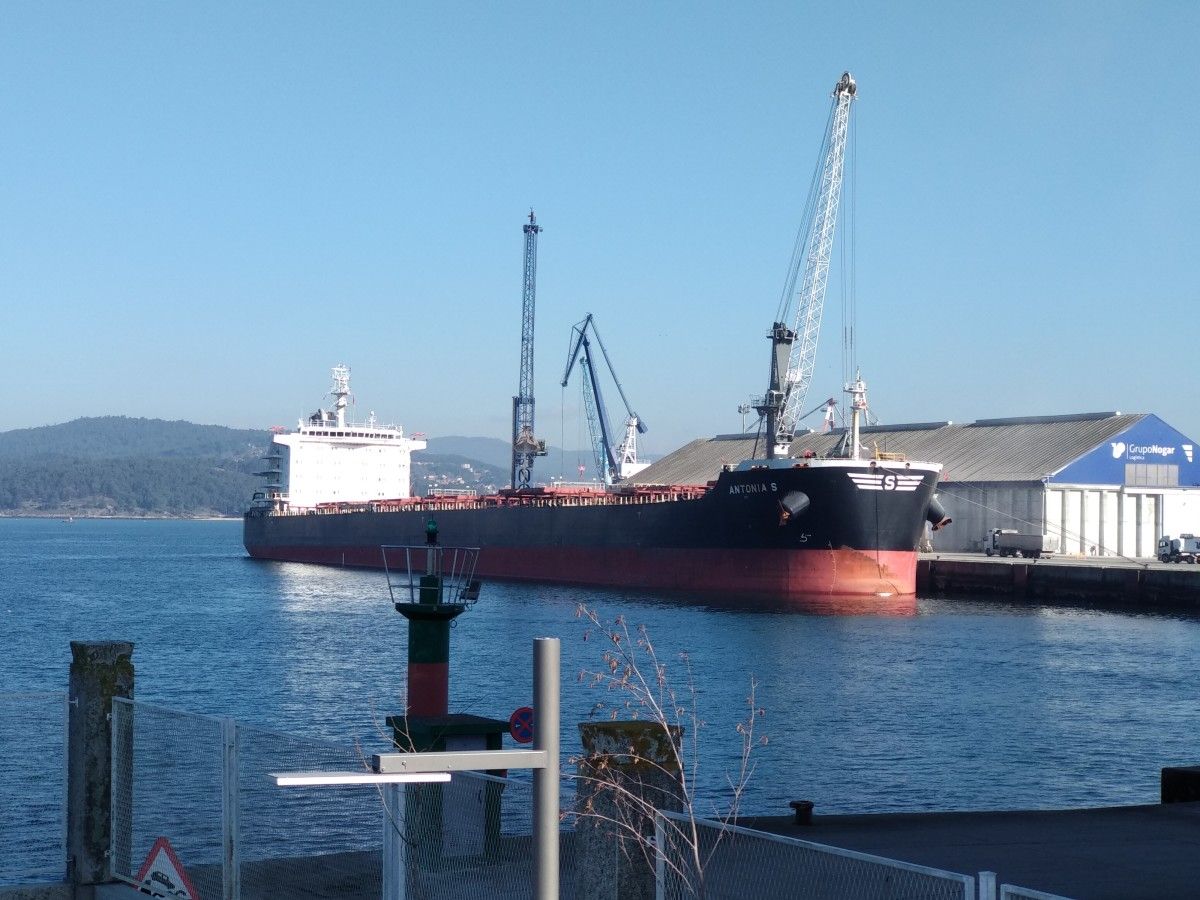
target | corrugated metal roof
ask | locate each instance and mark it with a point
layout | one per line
(988, 450)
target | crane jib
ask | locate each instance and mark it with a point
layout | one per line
(789, 387)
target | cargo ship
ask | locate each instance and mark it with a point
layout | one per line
(783, 529)
(780, 528)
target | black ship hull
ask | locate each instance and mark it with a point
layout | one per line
(806, 529)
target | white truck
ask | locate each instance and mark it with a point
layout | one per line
(1185, 548)
(1010, 542)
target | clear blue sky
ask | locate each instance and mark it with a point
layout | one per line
(204, 206)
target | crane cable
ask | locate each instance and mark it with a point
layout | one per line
(783, 312)
(849, 253)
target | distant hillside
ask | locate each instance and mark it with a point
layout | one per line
(135, 486)
(492, 451)
(432, 471)
(116, 437)
(116, 465)
(557, 463)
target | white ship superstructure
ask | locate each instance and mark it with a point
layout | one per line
(329, 459)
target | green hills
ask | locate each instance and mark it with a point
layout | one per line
(121, 466)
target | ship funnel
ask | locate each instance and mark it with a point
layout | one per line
(936, 515)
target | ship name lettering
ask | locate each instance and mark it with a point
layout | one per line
(752, 488)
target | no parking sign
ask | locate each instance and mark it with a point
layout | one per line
(520, 725)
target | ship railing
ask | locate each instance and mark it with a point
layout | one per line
(885, 455)
(431, 574)
(454, 492)
(639, 495)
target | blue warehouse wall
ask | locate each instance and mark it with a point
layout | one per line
(1149, 440)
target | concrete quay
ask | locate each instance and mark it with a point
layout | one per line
(1092, 580)
(1113, 853)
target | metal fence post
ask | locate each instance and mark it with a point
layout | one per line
(65, 833)
(231, 862)
(395, 850)
(546, 672)
(987, 886)
(121, 818)
(660, 856)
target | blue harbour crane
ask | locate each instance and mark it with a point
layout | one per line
(612, 464)
(526, 447)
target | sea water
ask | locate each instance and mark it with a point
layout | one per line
(965, 704)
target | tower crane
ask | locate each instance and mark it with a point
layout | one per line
(525, 446)
(612, 465)
(794, 348)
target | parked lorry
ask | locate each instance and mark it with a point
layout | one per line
(1185, 548)
(1010, 542)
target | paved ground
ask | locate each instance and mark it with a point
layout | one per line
(1058, 559)
(1117, 853)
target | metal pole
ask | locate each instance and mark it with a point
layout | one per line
(546, 671)
(660, 856)
(231, 865)
(987, 886)
(395, 851)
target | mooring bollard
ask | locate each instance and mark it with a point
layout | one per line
(803, 809)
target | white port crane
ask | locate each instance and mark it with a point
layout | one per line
(612, 464)
(789, 386)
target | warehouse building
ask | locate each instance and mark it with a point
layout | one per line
(1105, 484)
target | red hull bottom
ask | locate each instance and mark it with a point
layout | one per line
(799, 578)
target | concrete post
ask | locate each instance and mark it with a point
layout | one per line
(100, 670)
(628, 770)
(231, 865)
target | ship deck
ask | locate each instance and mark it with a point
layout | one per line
(535, 497)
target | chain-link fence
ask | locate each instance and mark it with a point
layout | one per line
(167, 782)
(703, 858)
(469, 838)
(33, 809)
(289, 841)
(204, 784)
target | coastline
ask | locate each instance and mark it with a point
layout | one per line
(79, 516)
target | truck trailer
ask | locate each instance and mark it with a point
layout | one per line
(1185, 548)
(1010, 542)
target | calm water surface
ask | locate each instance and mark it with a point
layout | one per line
(965, 704)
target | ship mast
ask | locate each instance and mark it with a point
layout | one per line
(794, 349)
(525, 445)
(340, 392)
